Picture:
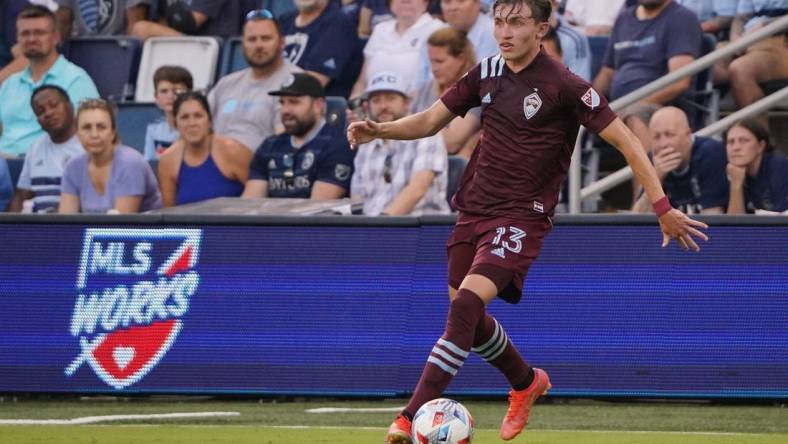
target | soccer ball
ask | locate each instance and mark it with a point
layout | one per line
(442, 421)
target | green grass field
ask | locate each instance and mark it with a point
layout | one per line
(553, 422)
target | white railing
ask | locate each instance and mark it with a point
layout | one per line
(577, 195)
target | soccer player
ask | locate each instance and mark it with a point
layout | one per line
(532, 108)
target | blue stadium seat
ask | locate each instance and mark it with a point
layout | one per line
(154, 165)
(111, 61)
(598, 45)
(232, 56)
(336, 107)
(15, 169)
(133, 119)
(457, 166)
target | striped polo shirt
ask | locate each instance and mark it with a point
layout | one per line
(43, 169)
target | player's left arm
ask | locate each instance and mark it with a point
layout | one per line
(673, 223)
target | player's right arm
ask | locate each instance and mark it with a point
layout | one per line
(414, 126)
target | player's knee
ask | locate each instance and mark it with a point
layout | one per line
(466, 309)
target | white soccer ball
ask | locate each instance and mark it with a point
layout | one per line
(442, 421)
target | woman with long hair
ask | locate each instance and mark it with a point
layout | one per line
(758, 176)
(201, 165)
(451, 55)
(109, 176)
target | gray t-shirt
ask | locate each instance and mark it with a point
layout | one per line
(242, 108)
(100, 17)
(130, 175)
(43, 170)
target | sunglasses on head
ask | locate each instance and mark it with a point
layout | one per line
(259, 14)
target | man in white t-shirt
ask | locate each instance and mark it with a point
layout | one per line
(397, 45)
(240, 104)
(466, 16)
(399, 177)
(594, 17)
(44, 162)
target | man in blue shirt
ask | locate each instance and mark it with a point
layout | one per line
(648, 41)
(38, 37)
(323, 41)
(311, 159)
(691, 169)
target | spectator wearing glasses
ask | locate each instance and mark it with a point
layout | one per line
(201, 165)
(191, 17)
(240, 103)
(399, 177)
(42, 171)
(323, 41)
(38, 38)
(311, 159)
(109, 177)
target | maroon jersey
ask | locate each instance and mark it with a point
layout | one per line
(530, 121)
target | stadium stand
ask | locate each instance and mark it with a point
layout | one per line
(200, 55)
(232, 57)
(335, 111)
(15, 169)
(112, 62)
(457, 166)
(133, 118)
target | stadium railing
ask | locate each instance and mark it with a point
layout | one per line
(578, 194)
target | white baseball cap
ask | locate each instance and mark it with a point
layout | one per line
(386, 81)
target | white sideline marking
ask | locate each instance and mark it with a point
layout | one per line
(108, 418)
(355, 410)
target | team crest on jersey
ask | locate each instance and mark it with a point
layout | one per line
(591, 98)
(133, 290)
(531, 105)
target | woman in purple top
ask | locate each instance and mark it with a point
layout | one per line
(201, 165)
(109, 177)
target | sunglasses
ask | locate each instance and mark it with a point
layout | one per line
(259, 14)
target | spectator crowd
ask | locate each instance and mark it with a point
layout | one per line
(265, 131)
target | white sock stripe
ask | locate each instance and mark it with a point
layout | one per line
(448, 357)
(499, 345)
(500, 349)
(492, 340)
(450, 370)
(453, 348)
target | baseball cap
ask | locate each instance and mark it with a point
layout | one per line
(386, 81)
(300, 84)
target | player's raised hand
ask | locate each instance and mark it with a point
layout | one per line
(677, 225)
(362, 131)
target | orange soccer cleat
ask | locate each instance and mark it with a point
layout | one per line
(400, 431)
(520, 403)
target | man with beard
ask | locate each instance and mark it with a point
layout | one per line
(648, 41)
(399, 177)
(38, 38)
(44, 162)
(240, 103)
(311, 160)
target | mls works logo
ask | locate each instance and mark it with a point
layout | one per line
(133, 289)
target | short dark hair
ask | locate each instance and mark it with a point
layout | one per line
(541, 9)
(55, 88)
(191, 95)
(36, 11)
(173, 74)
(757, 129)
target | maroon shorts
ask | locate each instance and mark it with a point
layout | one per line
(500, 248)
